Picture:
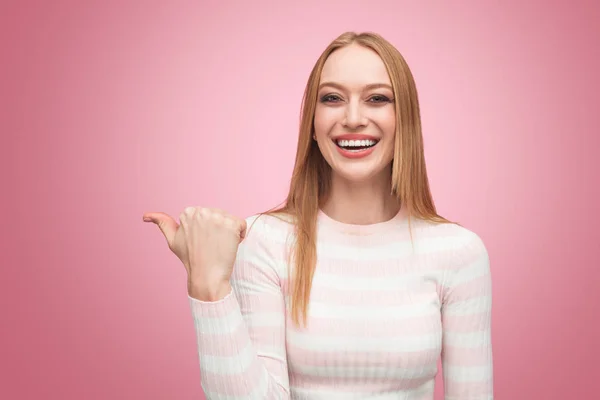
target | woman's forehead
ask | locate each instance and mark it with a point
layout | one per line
(354, 65)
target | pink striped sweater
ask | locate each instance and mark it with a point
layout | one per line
(381, 315)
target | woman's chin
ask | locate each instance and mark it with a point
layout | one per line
(361, 172)
(356, 175)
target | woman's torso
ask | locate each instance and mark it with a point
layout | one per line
(374, 317)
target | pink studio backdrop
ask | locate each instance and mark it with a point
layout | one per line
(111, 109)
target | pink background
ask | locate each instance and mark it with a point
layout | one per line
(111, 109)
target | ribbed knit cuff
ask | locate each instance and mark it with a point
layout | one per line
(223, 316)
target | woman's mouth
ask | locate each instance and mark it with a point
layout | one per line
(355, 148)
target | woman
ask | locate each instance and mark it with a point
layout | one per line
(355, 287)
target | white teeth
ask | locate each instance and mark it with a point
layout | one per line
(356, 143)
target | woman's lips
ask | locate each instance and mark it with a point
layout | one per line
(355, 153)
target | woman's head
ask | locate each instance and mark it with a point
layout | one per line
(355, 61)
(338, 101)
(355, 118)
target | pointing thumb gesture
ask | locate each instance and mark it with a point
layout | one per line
(167, 225)
(206, 241)
(173, 232)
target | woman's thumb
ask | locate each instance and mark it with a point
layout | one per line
(167, 225)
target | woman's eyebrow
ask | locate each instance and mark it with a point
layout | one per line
(367, 87)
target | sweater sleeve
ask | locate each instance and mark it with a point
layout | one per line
(241, 338)
(466, 319)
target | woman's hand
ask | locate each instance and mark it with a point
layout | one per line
(206, 242)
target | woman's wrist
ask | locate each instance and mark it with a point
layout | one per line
(205, 291)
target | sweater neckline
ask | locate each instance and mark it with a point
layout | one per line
(325, 221)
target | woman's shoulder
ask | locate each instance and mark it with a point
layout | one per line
(270, 225)
(450, 236)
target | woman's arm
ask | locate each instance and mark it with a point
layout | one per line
(241, 338)
(466, 319)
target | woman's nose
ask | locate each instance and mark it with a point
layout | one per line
(354, 117)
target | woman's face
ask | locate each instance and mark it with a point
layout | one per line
(355, 117)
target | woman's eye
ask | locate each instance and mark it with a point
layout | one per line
(330, 98)
(379, 99)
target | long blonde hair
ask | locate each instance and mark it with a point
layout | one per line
(310, 181)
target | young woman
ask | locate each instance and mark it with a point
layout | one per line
(356, 286)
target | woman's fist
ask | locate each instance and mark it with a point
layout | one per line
(205, 240)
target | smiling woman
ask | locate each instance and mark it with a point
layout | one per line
(356, 104)
(355, 287)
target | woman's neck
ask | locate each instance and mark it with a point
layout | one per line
(361, 203)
